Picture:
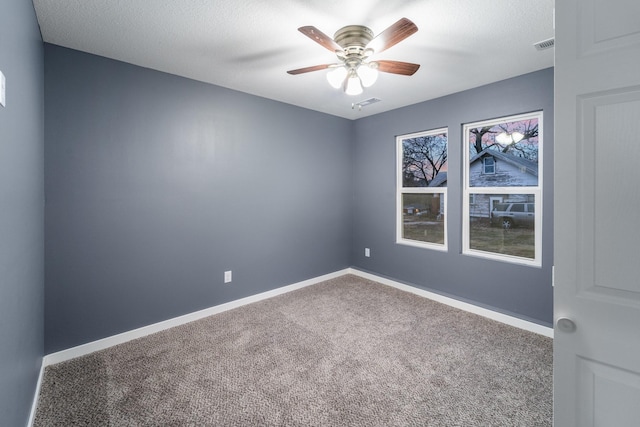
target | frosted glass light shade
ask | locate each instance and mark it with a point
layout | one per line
(353, 86)
(503, 138)
(368, 74)
(336, 77)
(517, 136)
(509, 138)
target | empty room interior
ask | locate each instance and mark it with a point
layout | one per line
(198, 229)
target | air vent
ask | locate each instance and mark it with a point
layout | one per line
(545, 44)
(364, 103)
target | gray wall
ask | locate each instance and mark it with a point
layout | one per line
(21, 212)
(156, 184)
(521, 291)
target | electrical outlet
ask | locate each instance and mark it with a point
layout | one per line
(367, 252)
(227, 276)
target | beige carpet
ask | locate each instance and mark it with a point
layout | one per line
(346, 352)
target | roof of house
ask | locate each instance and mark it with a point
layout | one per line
(440, 179)
(529, 166)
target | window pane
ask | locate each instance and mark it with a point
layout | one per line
(503, 224)
(513, 149)
(424, 161)
(423, 217)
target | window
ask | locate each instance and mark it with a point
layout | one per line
(488, 165)
(503, 189)
(422, 189)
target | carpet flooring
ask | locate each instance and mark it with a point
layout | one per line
(345, 352)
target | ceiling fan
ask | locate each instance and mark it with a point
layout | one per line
(353, 45)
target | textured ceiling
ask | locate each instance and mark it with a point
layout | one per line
(248, 45)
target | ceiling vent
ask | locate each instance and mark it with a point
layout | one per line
(364, 103)
(545, 44)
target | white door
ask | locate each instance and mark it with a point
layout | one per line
(597, 213)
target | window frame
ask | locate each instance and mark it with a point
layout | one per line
(401, 190)
(493, 193)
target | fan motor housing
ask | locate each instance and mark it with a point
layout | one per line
(353, 36)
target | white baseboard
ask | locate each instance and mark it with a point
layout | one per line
(34, 405)
(494, 315)
(101, 344)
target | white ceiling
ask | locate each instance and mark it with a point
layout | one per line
(248, 45)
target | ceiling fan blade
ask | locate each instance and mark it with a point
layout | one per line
(398, 67)
(392, 35)
(321, 38)
(309, 69)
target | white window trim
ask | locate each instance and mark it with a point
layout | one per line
(536, 191)
(400, 190)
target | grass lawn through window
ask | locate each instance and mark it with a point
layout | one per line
(517, 241)
(423, 229)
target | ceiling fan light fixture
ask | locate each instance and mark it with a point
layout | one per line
(353, 85)
(368, 73)
(336, 77)
(353, 45)
(509, 138)
(503, 138)
(517, 136)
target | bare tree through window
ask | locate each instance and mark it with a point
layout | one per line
(484, 137)
(423, 157)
